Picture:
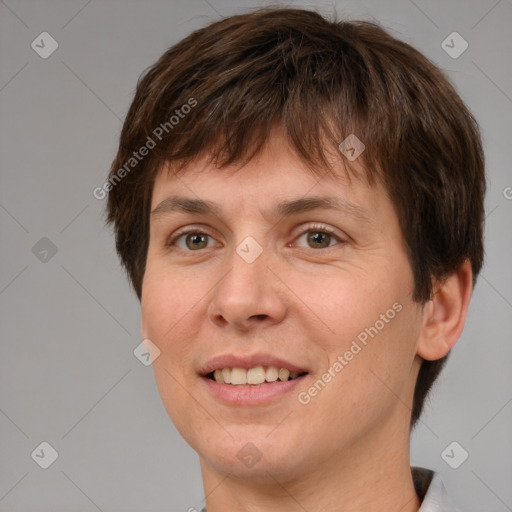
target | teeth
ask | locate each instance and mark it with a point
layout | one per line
(272, 374)
(226, 375)
(256, 375)
(253, 376)
(238, 376)
(284, 374)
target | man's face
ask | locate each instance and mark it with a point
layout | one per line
(270, 280)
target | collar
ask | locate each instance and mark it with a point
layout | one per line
(431, 491)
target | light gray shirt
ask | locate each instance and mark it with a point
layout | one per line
(430, 490)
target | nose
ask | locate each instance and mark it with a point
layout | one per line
(248, 296)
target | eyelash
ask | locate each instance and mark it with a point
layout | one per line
(317, 228)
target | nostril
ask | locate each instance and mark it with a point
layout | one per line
(260, 317)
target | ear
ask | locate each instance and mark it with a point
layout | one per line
(445, 314)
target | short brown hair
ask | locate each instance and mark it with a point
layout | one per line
(319, 81)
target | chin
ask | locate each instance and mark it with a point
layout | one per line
(252, 454)
(266, 470)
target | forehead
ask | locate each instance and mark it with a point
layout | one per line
(272, 187)
(274, 172)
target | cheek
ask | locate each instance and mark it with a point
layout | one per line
(348, 303)
(371, 382)
(371, 324)
(167, 317)
(169, 311)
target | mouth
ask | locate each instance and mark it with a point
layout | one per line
(253, 376)
(251, 379)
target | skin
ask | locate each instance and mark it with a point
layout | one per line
(348, 448)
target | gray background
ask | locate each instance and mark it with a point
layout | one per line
(69, 323)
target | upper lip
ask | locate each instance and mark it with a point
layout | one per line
(247, 361)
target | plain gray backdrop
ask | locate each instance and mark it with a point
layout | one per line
(69, 322)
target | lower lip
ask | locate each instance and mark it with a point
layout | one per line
(251, 394)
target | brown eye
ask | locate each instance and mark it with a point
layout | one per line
(195, 241)
(318, 239)
(191, 241)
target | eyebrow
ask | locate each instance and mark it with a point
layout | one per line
(195, 206)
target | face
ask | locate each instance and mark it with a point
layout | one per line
(272, 270)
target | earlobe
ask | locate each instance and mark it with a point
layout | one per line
(445, 314)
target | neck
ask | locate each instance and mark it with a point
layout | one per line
(371, 475)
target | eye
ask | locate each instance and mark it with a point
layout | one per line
(315, 237)
(320, 237)
(191, 241)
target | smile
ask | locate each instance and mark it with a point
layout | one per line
(253, 376)
(251, 379)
